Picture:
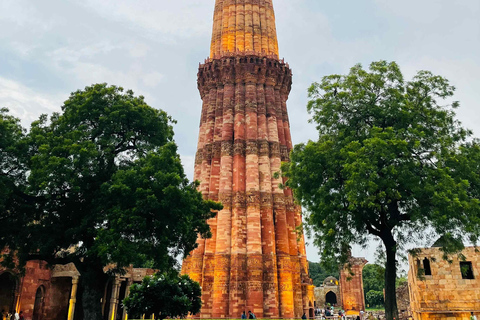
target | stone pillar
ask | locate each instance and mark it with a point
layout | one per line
(127, 292)
(238, 273)
(270, 275)
(351, 284)
(221, 287)
(114, 299)
(254, 236)
(73, 299)
(205, 180)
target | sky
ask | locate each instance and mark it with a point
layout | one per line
(50, 48)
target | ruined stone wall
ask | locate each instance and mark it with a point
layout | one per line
(321, 292)
(55, 284)
(444, 294)
(37, 273)
(403, 301)
(351, 285)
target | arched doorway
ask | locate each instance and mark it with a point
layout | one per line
(39, 303)
(8, 284)
(331, 298)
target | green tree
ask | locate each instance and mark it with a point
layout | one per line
(373, 280)
(103, 186)
(390, 161)
(401, 281)
(319, 273)
(12, 157)
(373, 277)
(164, 295)
(374, 298)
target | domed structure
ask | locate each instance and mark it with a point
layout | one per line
(330, 282)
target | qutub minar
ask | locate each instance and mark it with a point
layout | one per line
(256, 258)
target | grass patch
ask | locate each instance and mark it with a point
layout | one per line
(375, 309)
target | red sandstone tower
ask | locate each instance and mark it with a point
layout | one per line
(255, 259)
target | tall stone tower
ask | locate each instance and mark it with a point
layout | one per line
(256, 258)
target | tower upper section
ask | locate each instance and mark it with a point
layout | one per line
(244, 27)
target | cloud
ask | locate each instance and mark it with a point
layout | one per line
(26, 103)
(188, 163)
(156, 16)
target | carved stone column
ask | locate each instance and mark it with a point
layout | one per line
(127, 292)
(73, 299)
(114, 299)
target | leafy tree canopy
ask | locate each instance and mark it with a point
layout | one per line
(102, 185)
(391, 160)
(319, 273)
(164, 295)
(374, 298)
(373, 283)
(12, 150)
(373, 277)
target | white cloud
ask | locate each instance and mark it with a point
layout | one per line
(138, 50)
(152, 79)
(156, 16)
(26, 103)
(188, 163)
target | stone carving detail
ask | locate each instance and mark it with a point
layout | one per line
(199, 157)
(252, 148)
(227, 70)
(217, 149)
(227, 148)
(279, 199)
(226, 200)
(264, 148)
(239, 200)
(266, 199)
(274, 150)
(253, 197)
(207, 153)
(239, 147)
(284, 154)
(289, 204)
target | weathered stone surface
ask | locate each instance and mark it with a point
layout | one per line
(330, 286)
(351, 285)
(243, 27)
(255, 259)
(444, 294)
(50, 292)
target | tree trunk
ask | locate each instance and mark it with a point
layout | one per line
(93, 281)
(391, 311)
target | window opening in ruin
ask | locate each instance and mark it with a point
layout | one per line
(426, 267)
(467, 270)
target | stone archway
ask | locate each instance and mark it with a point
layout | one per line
(331, 298)
(39, 303)
(8, 286)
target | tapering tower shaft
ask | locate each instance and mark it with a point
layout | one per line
(244, 27)
(255, 259)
